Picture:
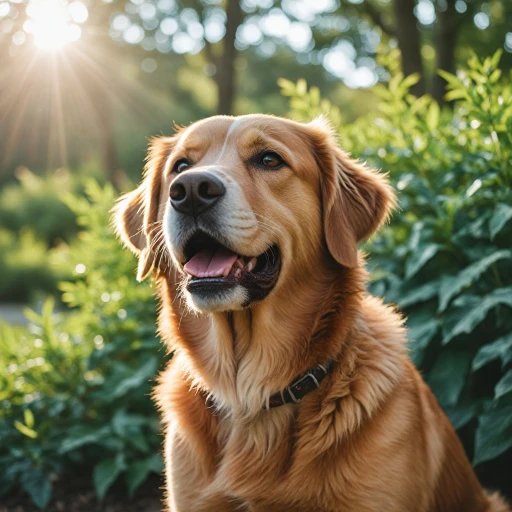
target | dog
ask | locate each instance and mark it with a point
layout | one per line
(290, 388)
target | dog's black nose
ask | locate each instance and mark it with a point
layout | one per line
(194, 192)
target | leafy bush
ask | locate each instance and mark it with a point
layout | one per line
(25, 267)
(446, 258)
(75, 389)
(33, 218)
(35, 202)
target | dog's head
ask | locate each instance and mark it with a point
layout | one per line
(241, 206)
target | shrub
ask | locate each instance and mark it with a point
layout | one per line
(74, 390)
(25, 267)
(446, 258)
(33, 218)
(35, 202)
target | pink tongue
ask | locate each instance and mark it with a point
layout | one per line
(210, 263)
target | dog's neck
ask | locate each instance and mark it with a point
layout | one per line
(240, 358)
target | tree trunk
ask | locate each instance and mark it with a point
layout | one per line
(409, 41)
(446, 39)
(225, 76)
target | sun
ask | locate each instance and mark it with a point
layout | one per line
(55, 23)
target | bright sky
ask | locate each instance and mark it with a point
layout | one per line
(54, 23)
(158, 25)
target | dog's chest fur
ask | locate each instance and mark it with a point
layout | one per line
(314, 456)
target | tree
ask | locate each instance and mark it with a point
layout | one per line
(224, 63)
(443, 25)
(195, 26)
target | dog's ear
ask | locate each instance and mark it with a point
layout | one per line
(356, 200)
(136, 212)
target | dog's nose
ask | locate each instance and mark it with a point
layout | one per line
(192, 193)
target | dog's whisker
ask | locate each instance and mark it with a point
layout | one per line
(269, 221)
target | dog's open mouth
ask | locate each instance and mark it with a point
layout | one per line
(211, 264)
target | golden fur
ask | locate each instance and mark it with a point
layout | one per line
(372, 437)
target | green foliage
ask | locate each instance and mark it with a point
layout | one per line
(446, 259)
(25, 266)
(307, 104)
(33, 218)
(74, 389)
(34, 201)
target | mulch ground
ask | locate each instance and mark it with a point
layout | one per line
(73, 497)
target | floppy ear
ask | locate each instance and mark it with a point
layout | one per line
(136, 212)
(356, 200)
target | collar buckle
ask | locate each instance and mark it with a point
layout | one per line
(300, 387)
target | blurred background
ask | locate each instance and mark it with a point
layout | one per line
(419, 88)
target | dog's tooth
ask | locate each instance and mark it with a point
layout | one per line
(251, 264)
(239, 263)
(238, 273)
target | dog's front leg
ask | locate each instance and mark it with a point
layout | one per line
(188, 488)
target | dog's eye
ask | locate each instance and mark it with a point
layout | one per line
(271, 160)
(181, 165)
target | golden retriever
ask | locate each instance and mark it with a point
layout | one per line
(290, 388)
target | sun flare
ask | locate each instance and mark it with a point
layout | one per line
(55, 23)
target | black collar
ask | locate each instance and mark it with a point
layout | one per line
(301, 386)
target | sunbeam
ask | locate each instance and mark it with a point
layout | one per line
(53, 23)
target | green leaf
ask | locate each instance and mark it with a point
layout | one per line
(452, 286)
(411, 80)
(105, 474)
(456, 94)
(479, 311)
(421, 332)
(495, 76)
(29, 418)
(448, 375)
(419, 294)
(474, 63)
(139, 471)
(138, 440)
(32, 316)
(495, 59)
(81, 436)
(502, 348)
(124, 424)
(461, 415)
(433, 116)
(287, 87)
(493, 435)
(501, 216)
(136, 379)
(504, 386)
(395, 81)
(38, 486)
(26, 431)
(419, 258)
(450, 79)
(302, 87)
